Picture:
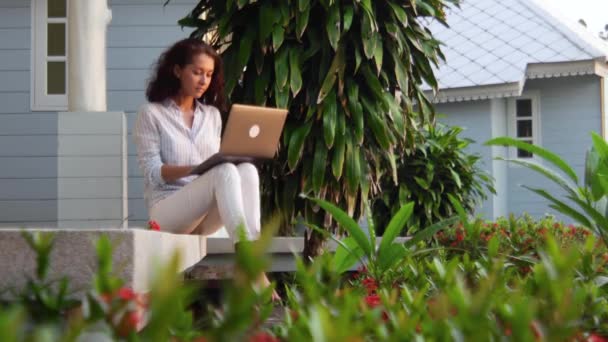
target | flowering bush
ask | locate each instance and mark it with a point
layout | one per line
(513, 279)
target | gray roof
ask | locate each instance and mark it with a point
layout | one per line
(492, 42)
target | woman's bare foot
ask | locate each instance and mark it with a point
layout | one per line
(264, 282)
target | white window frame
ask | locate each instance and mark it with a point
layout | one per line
(534, 96)
(39, 99)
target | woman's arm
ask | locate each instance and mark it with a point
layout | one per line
(171, 173)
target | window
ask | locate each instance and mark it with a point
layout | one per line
(49, 55)
(525, 122)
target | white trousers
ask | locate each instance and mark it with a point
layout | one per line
(226, 195)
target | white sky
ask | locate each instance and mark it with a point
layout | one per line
(594, 12)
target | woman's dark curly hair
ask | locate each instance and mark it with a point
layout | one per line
(165, 84)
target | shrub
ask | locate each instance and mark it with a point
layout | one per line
(437, 167)
(336, 66)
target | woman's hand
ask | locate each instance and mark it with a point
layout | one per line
(171, 173)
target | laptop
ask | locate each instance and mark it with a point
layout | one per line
(251, 133)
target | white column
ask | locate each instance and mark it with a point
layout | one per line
(499, 167)
(88, 20)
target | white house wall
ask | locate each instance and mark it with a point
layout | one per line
(474, 118)
(139, 31)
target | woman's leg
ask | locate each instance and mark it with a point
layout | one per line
(250, 197)
(250, 190)
(183, 211)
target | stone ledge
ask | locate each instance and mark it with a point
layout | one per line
(219, 262)
(137, 252)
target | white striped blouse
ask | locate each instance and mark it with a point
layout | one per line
(162, 137)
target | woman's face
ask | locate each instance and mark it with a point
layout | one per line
(196, 77)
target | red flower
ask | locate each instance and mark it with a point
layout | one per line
(536, 330)
(372, 300)
(129, 323)
(126, 293)
(263, 337)
(370, 284)
(459, 236)
(597, 338)
(153, 225)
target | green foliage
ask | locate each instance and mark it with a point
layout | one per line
(587, 203)
(510, 280)
(437, 167)
(452, 298)
(336, 65)
(358, 246)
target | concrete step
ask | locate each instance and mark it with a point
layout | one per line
(136, 254)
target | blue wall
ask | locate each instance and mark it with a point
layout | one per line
(139, 31)
(28, 141)
(474, 118)
(569, 111)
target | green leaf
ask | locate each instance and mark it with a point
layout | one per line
(456, 178)
(347, 223)
(330, 108)
(303, 5)
(260, 85)
(245, 46)
(399, 13)
(459, 209)
(550, 174)
(333, 26)
(353, 169)
(600, 145)
(356, 110)
(345, 258)
(319, 166)
(296, 144)
(295, 74)
(267, 20)
(394, 227)
(493, 246)
(277, 37)
(562, 207)
(241, 3)
(377, 125)
(347, 17)
(332, 74)
(281, 96)
(337, 163)
(281, 67)
(536, 150)
(369, 46)
(358, 59)
(302, 21)
(378, 52)
(423, 184)
(428, 232)
(393, 254)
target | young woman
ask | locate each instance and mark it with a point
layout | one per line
(178, 129)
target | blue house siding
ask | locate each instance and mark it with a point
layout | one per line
(139, 31)
(28, 141)
(474, 118)
(570, 109)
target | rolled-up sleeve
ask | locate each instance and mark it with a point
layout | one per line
(147, 140)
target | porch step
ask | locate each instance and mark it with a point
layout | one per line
(219, 261)
(136, 254)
